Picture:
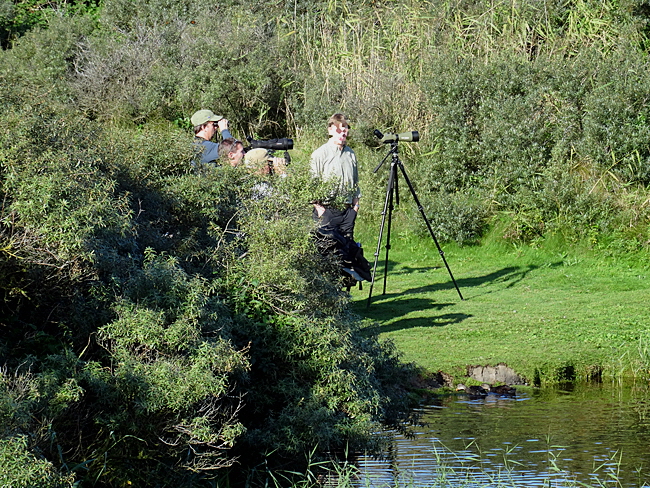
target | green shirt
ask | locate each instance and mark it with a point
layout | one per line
(331, 163)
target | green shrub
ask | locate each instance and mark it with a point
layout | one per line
(616, 119)
(191, 307)
(189, 313)
(21, 16)
(174, 371)
(174, 57)
(23, 469)
(457, 217)
(316, 378)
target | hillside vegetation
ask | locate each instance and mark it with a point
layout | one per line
(159, 327)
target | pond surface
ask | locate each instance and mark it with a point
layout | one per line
(593, 434)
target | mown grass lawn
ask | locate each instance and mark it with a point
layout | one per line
(541, 311)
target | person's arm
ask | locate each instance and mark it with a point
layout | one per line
(355, 178)
(315, 164)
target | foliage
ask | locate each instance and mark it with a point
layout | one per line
(20, 468)
(171, 379)
(162, 315)
(174, 57)
(20, 16)
(456, 217)
(131, 304)
(158, 316)
(315, 377)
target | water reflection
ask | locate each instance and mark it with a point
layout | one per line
(593, 434)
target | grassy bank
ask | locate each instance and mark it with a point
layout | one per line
(551, 312)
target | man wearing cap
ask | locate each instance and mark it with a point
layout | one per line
(259, 161)
(206, 124)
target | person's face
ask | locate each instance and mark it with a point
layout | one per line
(210, 130)
(236, 155)
(338, 134)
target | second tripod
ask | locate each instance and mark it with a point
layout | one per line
(392, 196)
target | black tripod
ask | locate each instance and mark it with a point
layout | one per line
(392, 193)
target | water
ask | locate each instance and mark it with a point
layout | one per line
(595, 435)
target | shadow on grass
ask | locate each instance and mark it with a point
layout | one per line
(508, 276)
(393, 305)
(437, 321)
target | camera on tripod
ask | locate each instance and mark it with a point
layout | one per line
(412, 136)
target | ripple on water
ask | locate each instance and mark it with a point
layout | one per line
(595, 435)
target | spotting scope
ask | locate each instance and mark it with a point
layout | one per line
(412, 136)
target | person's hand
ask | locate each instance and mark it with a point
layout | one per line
(279, 165)
(222, 124)
(320, 210)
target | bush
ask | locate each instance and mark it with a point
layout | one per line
(22, 469)
(192, 316)
(162, 328)
(616, 120)
(457, 217)
(175, 57)
(173, 376)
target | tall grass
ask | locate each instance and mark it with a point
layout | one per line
(371, 57)
(367, 61)
(447, 468)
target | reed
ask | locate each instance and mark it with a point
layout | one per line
(451, 469)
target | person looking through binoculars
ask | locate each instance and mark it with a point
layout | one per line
(336, 162)
(206, 125)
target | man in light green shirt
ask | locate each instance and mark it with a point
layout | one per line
(334, 161)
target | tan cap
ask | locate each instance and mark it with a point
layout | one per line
(203, 116)
(256, 157)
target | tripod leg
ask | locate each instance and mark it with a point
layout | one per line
(387, 201)
(426, 221)
(393, 196)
